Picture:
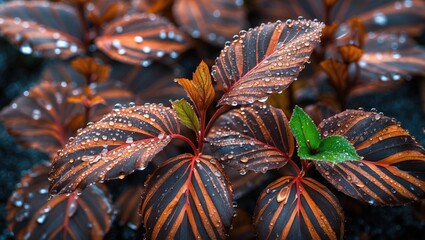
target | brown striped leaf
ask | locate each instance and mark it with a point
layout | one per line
(152, 84)
(252, 138)
(391, 57)
(392, 169)
(128, 205)
(214, 21)
(243, 184)
(102, 11)
(298, 208)
(188, 197)
(264, 60)
(140, 38)
(377, 15)
(32, 215)
(43, 118)
(51, 30)
(121, 142)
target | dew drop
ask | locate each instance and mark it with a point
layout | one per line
(380, 19)
(36, 114)
(41, 218)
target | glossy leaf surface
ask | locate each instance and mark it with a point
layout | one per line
(391, 57)
(391, 171)
(43, 118)
(214, 21)
(186, 114)
(188, 198)
(31, 215)
(140, 38)
(50, 30)
(264, 60)
(377, 15)
(121, 142)
(252, 138)
(304, 130)
(298, 208)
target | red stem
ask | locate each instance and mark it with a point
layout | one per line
(188, 141)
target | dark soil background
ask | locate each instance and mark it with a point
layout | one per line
(18, 73)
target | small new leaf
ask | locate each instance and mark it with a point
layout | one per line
(186, 114)
(334, 149)
(304, 130)
(200, 89)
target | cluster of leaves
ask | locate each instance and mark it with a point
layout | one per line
(365, 155)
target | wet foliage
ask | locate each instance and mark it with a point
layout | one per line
(211, 155)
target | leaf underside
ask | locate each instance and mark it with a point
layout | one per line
(187, 198)
(391, 171)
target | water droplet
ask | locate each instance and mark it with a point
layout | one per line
(161, 135)
(216, 13)
(17, 199)
(25, 48)
(36, 114)
(41, 218)
(72, 208)
(244, 159)
(138, 39)
(243, 172)
(129, 140)
(380, 19)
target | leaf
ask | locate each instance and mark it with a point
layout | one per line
(51, 30)
(200, 89)
(252, 138)
(103, 11)
(304, 130)
(391, 57)
(213, 21)
(31, 214)
(128, 205)
(140, 38)
(244, 183)
(298, 208)
(337, 72)
(377, 15)
(391, 171)
(264, 60)
(42, 118)
(186, 114)
(334, 149)
(187, 197)
(350, 53)
(121, 142)
(139, 81)
(88, 67)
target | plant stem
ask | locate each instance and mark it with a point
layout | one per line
(188, 141)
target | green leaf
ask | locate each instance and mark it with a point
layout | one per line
(334, 149)
(186, 114)
(304, 130)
